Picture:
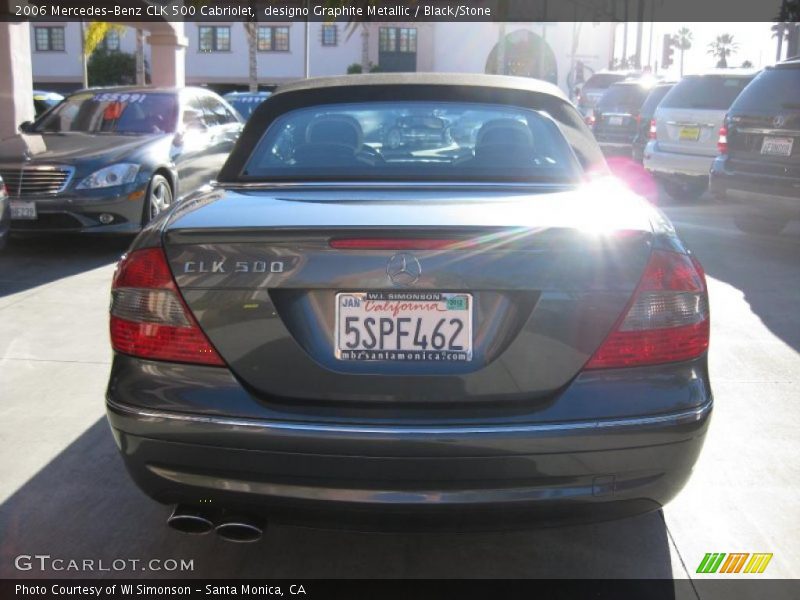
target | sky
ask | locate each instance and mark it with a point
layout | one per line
(756, 44)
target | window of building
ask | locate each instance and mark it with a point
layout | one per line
(215, 39)
(397, 39)
(330, 35)
(273, 39)
(111, 41)
(49, 39)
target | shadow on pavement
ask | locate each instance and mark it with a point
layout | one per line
(82, 505)
(764, 268)
(28, 262)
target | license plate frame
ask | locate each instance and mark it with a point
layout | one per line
(418, 308)
(689, 134)
(22, 210)
(771, 141)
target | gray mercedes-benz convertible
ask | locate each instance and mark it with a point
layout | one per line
(480, 334)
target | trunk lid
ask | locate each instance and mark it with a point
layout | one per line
(548, 274)
(688, 130)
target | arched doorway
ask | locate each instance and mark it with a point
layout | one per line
(524, 54)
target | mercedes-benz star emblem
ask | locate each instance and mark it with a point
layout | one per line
(403, 269)
(779, 121)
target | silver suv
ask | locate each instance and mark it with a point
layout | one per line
(685, 128)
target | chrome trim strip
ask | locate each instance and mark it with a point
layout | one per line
(686, 416)
(375, 496)
(387, 185)
(767, 131)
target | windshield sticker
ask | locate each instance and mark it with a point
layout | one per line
(118, 97)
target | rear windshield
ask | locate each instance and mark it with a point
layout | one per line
(773, 91)
(653, 98)
(113, 112)
(705, 92)
(600, 81)
(417, 141)
(628, 96)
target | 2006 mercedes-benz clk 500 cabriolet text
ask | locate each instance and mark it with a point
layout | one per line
(473, 335)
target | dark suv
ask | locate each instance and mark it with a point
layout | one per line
(616, 116)
(759, 144)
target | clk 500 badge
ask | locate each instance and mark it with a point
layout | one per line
(240, 266)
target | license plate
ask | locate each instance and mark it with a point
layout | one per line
(777, 146)
(404, 326)
(615, 121)
(691, 134)
(23, 210)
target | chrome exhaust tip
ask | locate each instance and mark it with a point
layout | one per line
(240, 528)
(191, 520)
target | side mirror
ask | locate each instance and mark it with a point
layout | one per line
(26, 126)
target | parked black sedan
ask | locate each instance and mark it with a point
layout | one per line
(109, 160)
(759, 145)
(341, 332)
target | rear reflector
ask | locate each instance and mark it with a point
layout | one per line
(148, 316)
(667, 319)
(396, 243)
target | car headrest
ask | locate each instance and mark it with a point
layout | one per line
(335, 129)
(506, 132)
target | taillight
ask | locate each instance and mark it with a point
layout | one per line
(591, 119)
(148, 316)
(653, 130)
(722, 141)
(667, 319)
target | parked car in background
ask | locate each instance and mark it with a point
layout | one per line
(109, 160)
(617, 116)
(596, 86)
(44, 101)
(5, 215)
(246, 102)
(759, 145)
(465, 337)
(646, 114)
(685, 128)
(418, 131)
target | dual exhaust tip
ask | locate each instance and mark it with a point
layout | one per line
(233, 527)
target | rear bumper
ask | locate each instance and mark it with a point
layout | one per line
(765, 193)
(393, 476)
(664, 163)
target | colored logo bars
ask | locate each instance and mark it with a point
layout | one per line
(716, 562)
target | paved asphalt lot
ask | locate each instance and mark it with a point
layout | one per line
(63, 491)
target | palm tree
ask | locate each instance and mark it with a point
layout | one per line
(779, 32)
(683, 42)
(723, 47)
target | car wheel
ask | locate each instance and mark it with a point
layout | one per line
(759, 224)
(679, 190)
(158, 198)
